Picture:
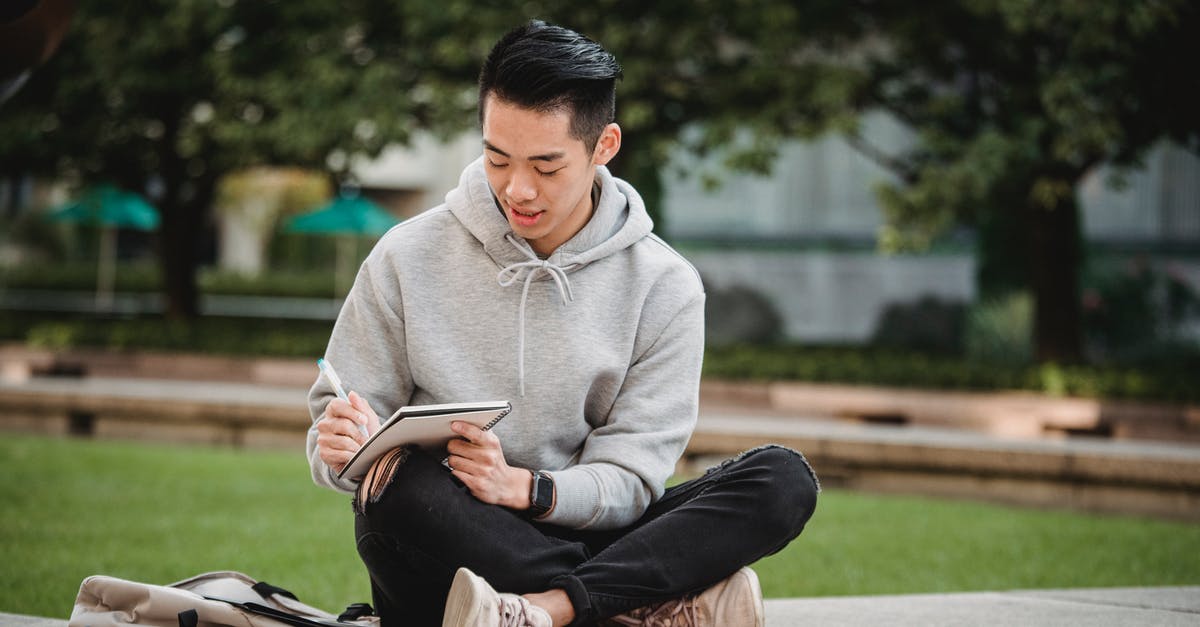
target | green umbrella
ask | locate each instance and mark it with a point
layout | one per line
(105, 205)
(347, 217)
(109, 208)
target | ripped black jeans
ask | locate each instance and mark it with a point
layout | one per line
(426, 524)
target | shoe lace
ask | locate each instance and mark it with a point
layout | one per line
(516, 612)
(679, 612)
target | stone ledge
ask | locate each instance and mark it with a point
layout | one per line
(1007, 414)
(1146, 479)
(176, 411)
(1016, 414)
(1128, 477)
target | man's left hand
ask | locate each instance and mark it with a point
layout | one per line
(478, 461)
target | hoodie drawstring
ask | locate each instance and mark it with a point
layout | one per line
(511, 274)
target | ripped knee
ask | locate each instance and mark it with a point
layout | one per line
(378, 478)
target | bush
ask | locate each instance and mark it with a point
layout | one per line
(1000, 330)
(927, 324)
(740, 314)
(145, 277)
(220, 335)
(1137, 310)
(852, 365)
(138, 277)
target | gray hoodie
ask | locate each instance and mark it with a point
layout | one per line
(597, 347)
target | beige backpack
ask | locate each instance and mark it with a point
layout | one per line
(207, 600)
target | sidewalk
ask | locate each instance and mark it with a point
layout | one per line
(1094, 607)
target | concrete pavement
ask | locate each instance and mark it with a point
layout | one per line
(1093, 607)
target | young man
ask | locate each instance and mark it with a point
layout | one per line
(539, 281)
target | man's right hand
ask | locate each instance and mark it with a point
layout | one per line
(338, 432)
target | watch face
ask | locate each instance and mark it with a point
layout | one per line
(543, 493)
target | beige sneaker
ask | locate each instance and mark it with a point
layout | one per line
(473, 603)
(734, 602)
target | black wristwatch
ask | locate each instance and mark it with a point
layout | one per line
(541, 494)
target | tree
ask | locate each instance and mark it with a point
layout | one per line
(1012, 101)
(166, 97)
(1015, 103)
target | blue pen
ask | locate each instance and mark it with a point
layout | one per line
(331, 376)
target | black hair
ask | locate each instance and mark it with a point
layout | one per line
(544, 67)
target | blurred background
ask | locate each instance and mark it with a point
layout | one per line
(986, 181)
(905, 214)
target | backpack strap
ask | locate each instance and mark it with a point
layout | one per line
(356, 611)
(265, 589)
(189, 618)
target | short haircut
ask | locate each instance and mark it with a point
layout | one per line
(546, 68)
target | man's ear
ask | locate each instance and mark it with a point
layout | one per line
(608, 146)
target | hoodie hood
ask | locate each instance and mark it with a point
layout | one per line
(618, 221)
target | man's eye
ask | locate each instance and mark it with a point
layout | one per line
(497, 165)
(550, 173)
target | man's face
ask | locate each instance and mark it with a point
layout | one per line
(541, 175)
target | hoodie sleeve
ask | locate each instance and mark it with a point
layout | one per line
(368, 349)
(624, 465)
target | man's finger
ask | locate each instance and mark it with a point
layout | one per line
(472, 433)
(339, 408)
(461, 464)
(339, 433)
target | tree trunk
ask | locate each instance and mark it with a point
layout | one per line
(1055, 251)
(184, 217)
(178, 253)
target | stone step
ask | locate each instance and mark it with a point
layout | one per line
(1145, 478)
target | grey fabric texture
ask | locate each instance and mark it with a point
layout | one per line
(598, 347)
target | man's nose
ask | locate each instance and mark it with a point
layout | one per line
(521, 186)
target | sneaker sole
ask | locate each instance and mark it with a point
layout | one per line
(467, 603)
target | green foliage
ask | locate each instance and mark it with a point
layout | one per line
(927, 324)
(228, 336)
(34, 238)
(1011, 101)
(312, 280)
(1169, 379)
(136, 277)
(999, 330)
(159, 513)
(1133, 309)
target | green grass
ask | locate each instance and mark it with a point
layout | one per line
(159, 513)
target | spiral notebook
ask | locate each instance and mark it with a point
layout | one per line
(427, 426)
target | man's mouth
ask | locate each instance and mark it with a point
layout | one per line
(527, 217)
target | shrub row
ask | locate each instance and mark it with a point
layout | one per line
(145, 277)
(1173, 382)
(231, 336)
